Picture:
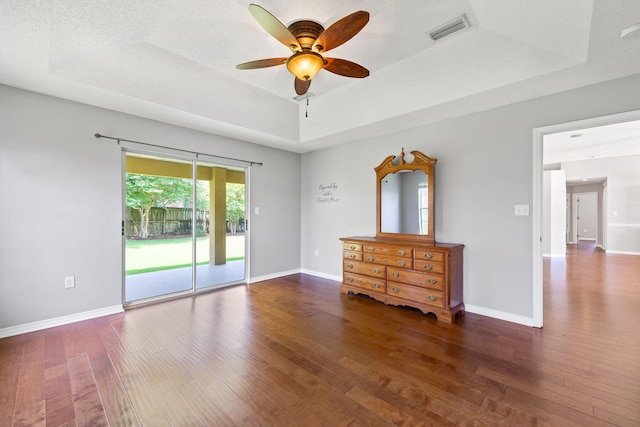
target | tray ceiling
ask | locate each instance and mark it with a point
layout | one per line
(175, 61)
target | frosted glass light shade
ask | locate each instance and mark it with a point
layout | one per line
(305, 65)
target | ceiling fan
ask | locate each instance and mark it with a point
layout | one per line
(308, 40)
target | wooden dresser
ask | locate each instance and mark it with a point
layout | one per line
(403, 272)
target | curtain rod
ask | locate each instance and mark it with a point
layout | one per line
(251, 163)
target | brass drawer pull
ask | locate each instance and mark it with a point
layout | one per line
(396, 290)
(395, 274)
(428, 255)
(428, 267)
(401, 263)
(432, 281)
(352, 256)
(432, 297)
(370, 258)
(349, 265)
(376, 285)
(401, 252)
(370, 248)
(350, 279)
(385, 250)
(352, 247)
(376, 270)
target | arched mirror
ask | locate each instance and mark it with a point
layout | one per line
(405, 197)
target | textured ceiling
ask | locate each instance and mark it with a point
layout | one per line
(174, 61)
(615, 140)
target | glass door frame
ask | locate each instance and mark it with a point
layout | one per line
(194, 160)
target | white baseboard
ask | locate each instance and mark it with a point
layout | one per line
(501, 315)
(58, 321)
(298, 271)
(272, 276)
(560, 255)
(609, 251)
(322, 275)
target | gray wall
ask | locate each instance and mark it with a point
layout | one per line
(50, 159)
(484, 168)
(52, 168)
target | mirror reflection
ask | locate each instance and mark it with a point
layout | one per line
(405, 203)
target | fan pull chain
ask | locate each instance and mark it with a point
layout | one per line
(306, 111)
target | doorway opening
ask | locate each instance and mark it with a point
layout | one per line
(184, 229)
(604, 164)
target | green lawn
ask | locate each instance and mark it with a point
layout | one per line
(143, 256)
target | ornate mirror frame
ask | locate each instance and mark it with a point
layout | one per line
(394, 164)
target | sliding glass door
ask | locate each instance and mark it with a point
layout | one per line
(183, 228)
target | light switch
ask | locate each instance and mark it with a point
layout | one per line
(70, 282)
(521, 210)
(257, 211)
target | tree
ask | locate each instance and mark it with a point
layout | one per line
(145, 192)
(235, 206)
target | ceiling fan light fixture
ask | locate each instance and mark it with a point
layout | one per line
(306, 39)
(305, 65)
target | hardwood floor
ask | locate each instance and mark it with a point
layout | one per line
(294, 352)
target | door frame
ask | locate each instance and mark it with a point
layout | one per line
(194, 159)
(538, 167)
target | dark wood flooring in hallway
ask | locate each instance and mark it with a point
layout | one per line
(294, 352)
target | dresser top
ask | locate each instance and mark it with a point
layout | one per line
(402, 242)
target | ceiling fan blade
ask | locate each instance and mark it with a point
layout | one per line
(345, 68)
(274, 27)
(302, 86)
(261, 63)
(341, 31)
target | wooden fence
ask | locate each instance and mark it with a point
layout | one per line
(170, 221)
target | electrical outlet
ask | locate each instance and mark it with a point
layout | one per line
(70, 282)
(317, 252)
(521, 210)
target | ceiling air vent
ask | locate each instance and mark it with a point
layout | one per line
(458, 24)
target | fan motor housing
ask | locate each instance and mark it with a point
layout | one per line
(306, 32)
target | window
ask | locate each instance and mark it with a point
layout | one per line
(423, 207)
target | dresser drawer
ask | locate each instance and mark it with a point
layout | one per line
(389, 260)
(396, 251)
(429, 266)
(428, 255)
(425, 280)
(365, 268)
(415, 293)
(356, 256)
(370, 284)
(352, 246)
